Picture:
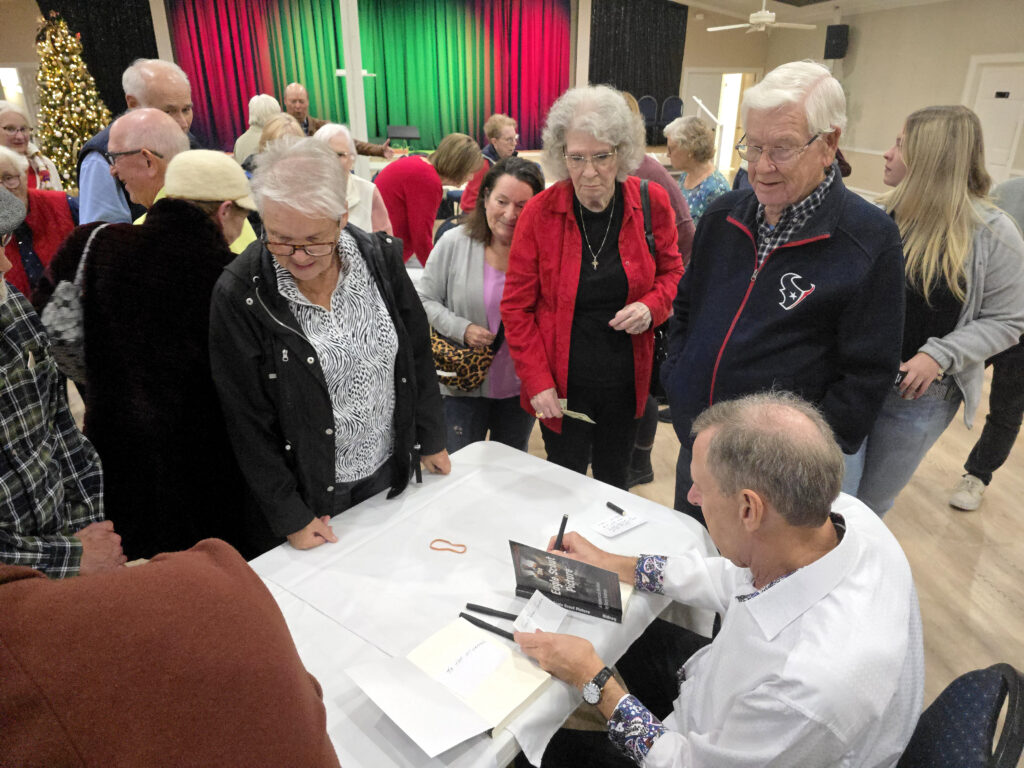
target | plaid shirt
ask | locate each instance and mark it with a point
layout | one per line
(50, 480)
(792, 220)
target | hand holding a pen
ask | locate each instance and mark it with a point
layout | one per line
(576, 547)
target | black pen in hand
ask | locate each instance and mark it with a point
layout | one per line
(561, 533)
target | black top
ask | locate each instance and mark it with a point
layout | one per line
(598, 355)
(927, 319)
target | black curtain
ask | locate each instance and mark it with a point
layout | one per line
(114, 34)
(637, 46)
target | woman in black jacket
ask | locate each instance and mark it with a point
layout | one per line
(321, 354)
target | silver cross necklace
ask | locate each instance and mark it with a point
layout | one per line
(593, 255)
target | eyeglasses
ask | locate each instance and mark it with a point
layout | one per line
(509, 139)
(601, 162)
(316, 250)
(11, 182)
(10, 130)
(112, 157)
(775, 155)
(343, 154)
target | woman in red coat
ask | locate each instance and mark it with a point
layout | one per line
(49, 219)
(412, 188)
(583, 291)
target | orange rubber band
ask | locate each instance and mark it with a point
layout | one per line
(458, 549)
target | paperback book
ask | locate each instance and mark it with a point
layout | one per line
(573, 585)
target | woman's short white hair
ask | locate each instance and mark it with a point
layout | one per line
(805, 83)
(19, 161)
(600, 111)
(262, 107)
(328, 131)
(302, 174)
(10, 106)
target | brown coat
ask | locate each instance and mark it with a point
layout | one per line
(185, 660)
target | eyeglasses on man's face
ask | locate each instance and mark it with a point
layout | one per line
(113, 157)
(775, 155)
(601, 162)
(509, 139)
(316, 250)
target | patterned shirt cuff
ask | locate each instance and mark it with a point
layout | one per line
(633, 729)
(649, 575)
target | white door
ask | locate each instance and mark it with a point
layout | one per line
(706, 86)
(999, 102)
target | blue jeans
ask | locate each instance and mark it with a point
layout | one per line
(469, 419)
(893, 449)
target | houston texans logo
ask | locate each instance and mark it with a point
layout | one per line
(792, 293)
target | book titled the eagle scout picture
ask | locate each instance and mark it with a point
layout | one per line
(574, 585)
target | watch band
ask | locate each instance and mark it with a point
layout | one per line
(592, 690)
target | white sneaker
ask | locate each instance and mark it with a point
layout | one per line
(967, 494)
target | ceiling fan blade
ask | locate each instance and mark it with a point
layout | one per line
(730, 26)
(787, 25)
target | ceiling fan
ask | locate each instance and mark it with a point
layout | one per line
(762, 20)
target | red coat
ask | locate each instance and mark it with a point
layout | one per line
(49, 219)
(412, 193)
(543, 275)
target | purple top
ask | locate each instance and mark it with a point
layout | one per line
(501, 378)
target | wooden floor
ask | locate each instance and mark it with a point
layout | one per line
(968, 566)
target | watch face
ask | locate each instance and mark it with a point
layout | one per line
(591, 693)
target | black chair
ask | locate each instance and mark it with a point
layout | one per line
(958, 729)
(671, 108)
(404, 132)
(649, 112)
(450, 223)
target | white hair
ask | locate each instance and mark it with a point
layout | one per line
(804, 83)
(262, 107)
(328, 131)
(10, 106)
(600, 111)
(135, 78)
(303, 174)
(19, 160)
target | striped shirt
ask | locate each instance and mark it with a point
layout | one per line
(356, 343)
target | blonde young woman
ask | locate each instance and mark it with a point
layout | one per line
(964, 291)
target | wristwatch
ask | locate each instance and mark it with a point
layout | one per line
(592, 690)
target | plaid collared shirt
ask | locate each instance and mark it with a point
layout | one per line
(51, 485)
(792, 220)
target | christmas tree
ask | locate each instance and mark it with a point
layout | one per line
(71, 111)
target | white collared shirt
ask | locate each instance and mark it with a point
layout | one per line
(825, 668)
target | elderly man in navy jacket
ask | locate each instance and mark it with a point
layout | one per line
(794, 285)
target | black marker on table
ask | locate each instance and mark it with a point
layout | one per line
(561, 532)
(615, 508)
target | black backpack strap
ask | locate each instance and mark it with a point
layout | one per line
(645, 200)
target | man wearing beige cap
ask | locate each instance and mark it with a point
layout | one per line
(151, 409)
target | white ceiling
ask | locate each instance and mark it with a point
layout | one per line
(824, 12)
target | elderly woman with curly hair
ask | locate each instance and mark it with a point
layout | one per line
(583, 290)
(691, 149)
(502, 136)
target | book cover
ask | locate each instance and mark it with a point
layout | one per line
(574, 585)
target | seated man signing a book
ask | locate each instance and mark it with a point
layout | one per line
(819, 660)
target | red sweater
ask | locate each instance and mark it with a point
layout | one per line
(412, 193)
(49, 220)
(185, 660)
(543, 275)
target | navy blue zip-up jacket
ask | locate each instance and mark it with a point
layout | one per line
(822, 317)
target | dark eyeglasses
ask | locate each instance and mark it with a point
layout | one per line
(111, 157)
(316, 250)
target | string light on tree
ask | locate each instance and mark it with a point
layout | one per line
(70, 108)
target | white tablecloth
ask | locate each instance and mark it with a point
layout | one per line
(381, 590)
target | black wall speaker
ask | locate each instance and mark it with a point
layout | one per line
(837, 39)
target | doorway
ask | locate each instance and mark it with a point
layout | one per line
(994, 89)
(720, 91)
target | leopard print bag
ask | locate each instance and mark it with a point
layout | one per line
(462, 367)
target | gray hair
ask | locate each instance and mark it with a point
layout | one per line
(779, 446)
(806, 84)
(328, 131)
(19, 160)
(600, 111)
(303, 174)
(261, 108)
(694, 135)
(10, 106)
(134, 80)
